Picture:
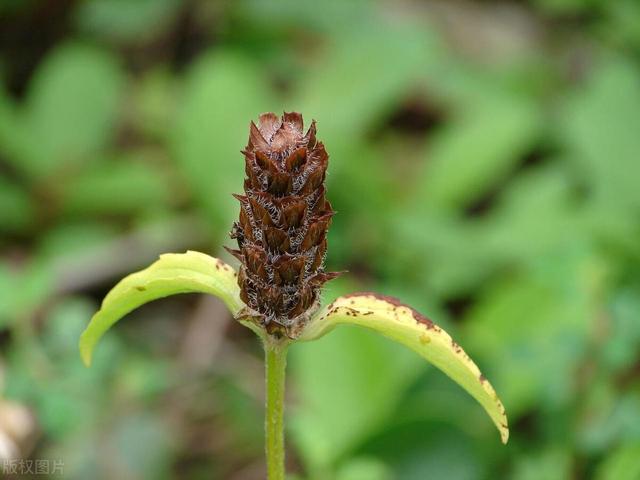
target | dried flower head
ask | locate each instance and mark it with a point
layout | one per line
(284, 217)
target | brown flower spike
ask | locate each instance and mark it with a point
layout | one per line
(284, 217)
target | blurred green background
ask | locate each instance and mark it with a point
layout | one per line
(485, 166)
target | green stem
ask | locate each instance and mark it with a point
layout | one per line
(275, 363)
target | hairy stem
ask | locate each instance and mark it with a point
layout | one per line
(275, 363)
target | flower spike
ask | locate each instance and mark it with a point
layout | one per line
(284, 218)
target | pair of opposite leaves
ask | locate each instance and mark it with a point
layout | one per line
(196, 272)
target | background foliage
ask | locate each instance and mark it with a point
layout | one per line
(484, 164)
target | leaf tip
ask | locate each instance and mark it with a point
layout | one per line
(85, 351)
(504, 433)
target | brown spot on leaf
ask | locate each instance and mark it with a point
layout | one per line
(140, 288)
(351, 312)
(397, 303)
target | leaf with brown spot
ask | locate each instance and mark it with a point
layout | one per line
(173, 273)
(393, 319)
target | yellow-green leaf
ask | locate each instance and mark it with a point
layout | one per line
(403, 324)
(173, 273)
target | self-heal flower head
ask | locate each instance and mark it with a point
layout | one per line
(282, 229)
(281, 237)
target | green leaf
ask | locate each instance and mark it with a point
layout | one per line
(130, 185)
(364, 468)
(355, 57)
(599, 127)
(71, 108)
(622, 464)
(16, 142)
(476, 152)
(173, 273)
(551, 463)
(20, 211)
(7, 280)
(125, 21)
(532, 329)
(401, 323)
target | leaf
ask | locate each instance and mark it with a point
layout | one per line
(126, 21)
(71, 108)
(336, 15)
(364, 468)
(474, 153)
(552, 462)
(20, 209)
(173, 273)
(7, 280)
(599, 126)
(533, 329)
(16, 143)
(127, 186)
(401, 323)
(622, 464)
(623, 342)
(355, 57)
